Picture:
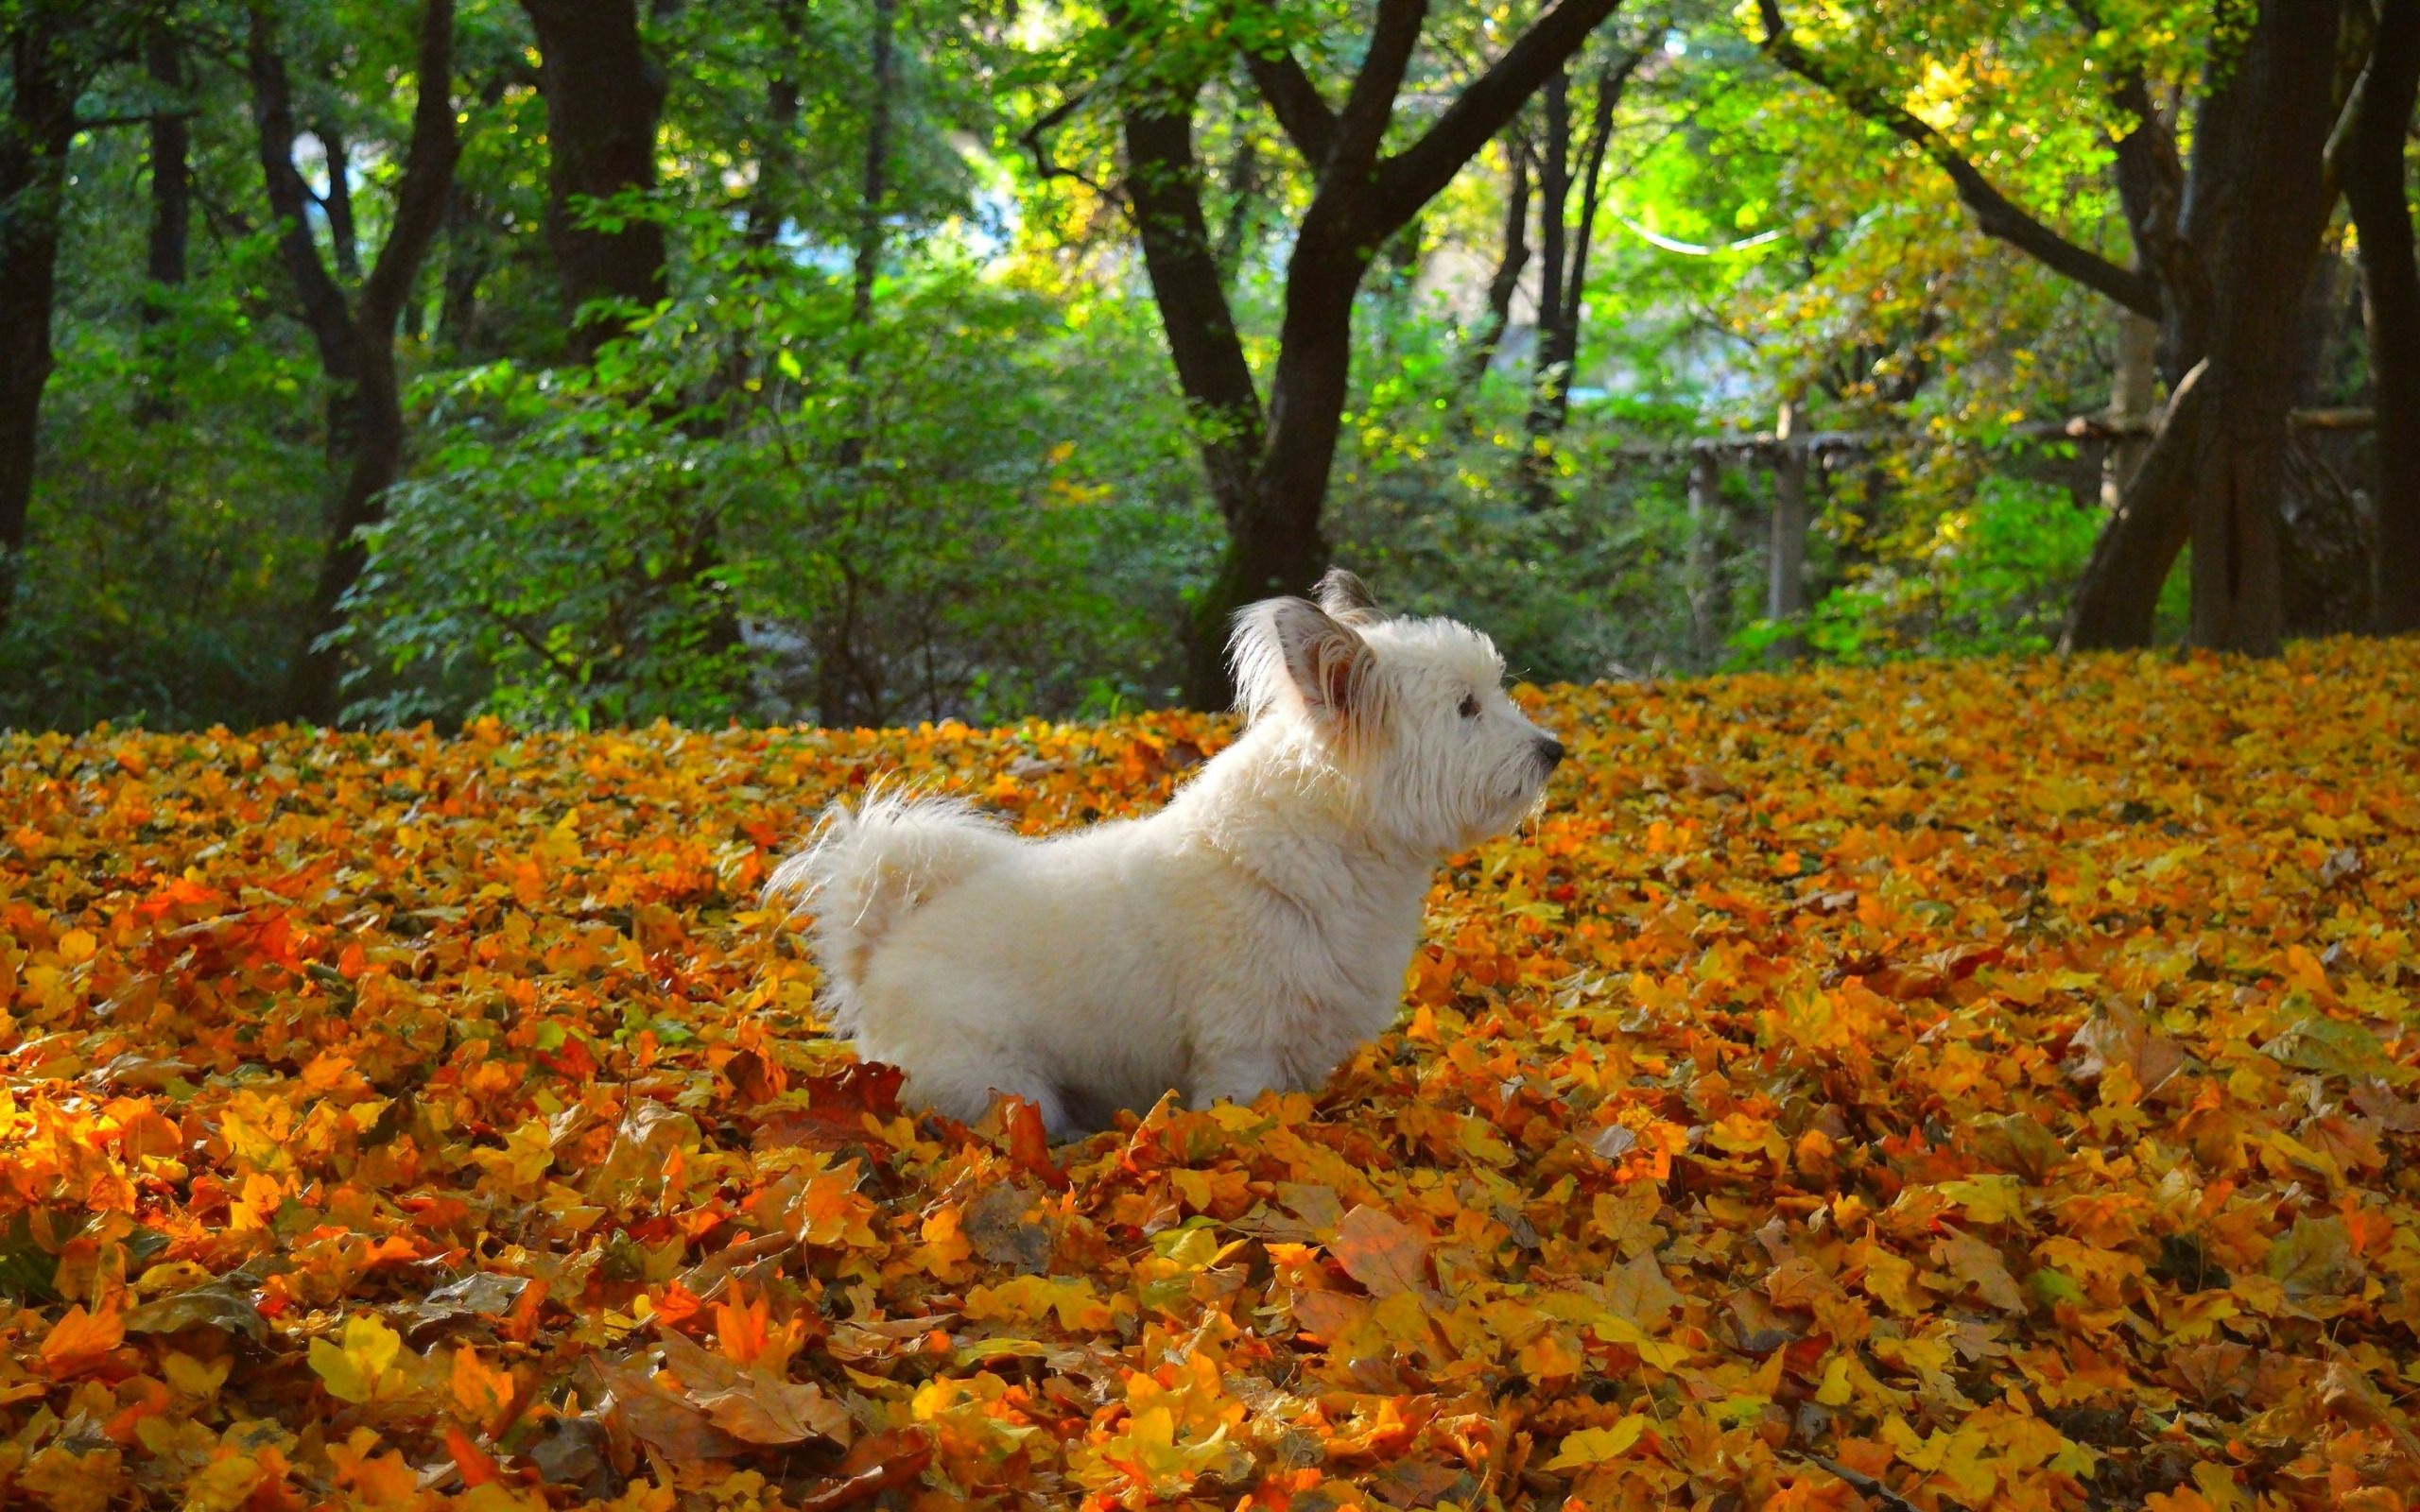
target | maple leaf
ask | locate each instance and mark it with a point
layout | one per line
(482, 1391)
(1591, 1447)
(527, 1155)
(1973, 1262)
(79, 1341)
(2115, 1035)
(1381, 1252)
(360, 1364)
(66, 1481)
(756, 1405)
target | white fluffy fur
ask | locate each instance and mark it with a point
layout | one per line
(1247, 936)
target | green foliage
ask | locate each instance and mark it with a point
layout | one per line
(181, 532)
(748, 508)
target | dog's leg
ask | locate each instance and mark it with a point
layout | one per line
(1236, 1076)
(965, 1091)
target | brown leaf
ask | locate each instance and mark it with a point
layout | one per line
(2116, 1036)
(1973, 1262)
(1639, 1292)
(220, 1307)
(1419, 1482)
(751, 1404)
(997, 1224)
(2211, 1372)
(663, 1421)
(877, 1464)
(1382, 1253)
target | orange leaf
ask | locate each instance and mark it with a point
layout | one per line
(470, 1460)
(80, 1340)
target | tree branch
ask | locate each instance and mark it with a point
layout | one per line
(1611, 83)
(1995, 214)
(2148, 170)
(1410, 179)
(428, 172)
(1296, 101)
(105, 123)
(1361, 125)
(323, 303)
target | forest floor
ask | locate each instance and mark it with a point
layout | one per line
(1952, 1085)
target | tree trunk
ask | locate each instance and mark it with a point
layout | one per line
(604, 98)
(2369, 156)
(1273, 491)
(1554, 199)
(1706, 517)
(877, 166)
(1559, 338)
(2278, 96)
(1243, 193)
(1275, 542)
(171, 229)
(2133, 391)
(874, 192)
(45, 81)
(1163, 183)
(172, 176)
(769, 200)
(2117, 597)
(2169, 214)
(1509, 266)
(338, 202)
(356, 345)
(1786, 573)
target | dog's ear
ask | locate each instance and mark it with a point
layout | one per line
(1328, 664)
(1296, 644)
(1346, 598)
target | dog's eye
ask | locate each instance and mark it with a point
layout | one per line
(1469, 709)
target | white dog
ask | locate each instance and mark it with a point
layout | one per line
(1247, 936)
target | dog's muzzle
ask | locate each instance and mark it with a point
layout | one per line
(1550, 752)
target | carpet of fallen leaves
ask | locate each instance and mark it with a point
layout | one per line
(1981, 1085)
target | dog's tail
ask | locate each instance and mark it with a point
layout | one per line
(865, 871)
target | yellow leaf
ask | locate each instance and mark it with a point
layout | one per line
(1988, 1198)
(195, 1378)
(361, 1367)
(522, 1165)
(68, 1482)
(1594, 1445)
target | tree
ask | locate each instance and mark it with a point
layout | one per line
(1512, 258)
(1269, 467)
(2367, 154)
(2269, 117)
(355, 337)
(604, 96)
(55, 48)
(1564, 270)
(2220, 268)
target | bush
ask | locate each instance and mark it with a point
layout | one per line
(751, 508)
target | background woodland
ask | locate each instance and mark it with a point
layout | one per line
(865, 361)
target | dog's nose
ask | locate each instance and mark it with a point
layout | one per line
(1552, 749)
